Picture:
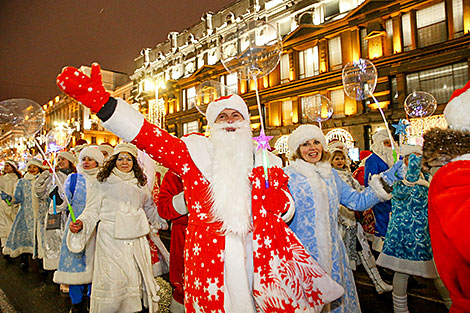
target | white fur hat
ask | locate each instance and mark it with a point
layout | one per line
(106, 148)
(380, 135)
(304, 133)
(234, 102)
(336, 145)
(126, 147)
(92, 152)
(68, 156)
(406, 150)
(36, 162)
(12, 163)
(458, 109)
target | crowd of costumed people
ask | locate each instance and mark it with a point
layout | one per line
(244, 238)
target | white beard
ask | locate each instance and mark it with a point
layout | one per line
(230, 187)
(385, 153)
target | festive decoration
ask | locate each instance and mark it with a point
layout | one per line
(157, 112)
(359, 81)
(318, 108)
(21, 114)
(281, 145)
(341, 135)
(400, 128)
(262, 140)
(420, 104)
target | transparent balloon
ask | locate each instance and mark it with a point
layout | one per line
(359, 79)
(58, 138)
(318, 108)
(420, 104)
(252, 49)
(210, 91)
(24, 115)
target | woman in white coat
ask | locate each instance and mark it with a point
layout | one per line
(8, 181)
(318, 191)
(119, 201)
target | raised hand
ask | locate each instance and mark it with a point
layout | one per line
(87, 90)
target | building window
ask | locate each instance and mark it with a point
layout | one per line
(406, 29)
(189, 98)
(284, 68)
(286, 112)
(230, 81)
(457, 9)
(331, 8)
(337, 101)
(440, 81)
(431, 25)
(394, 93)
(334, 53)
(191, 127)
(389, 31)
(308, 62)
(284, 27)
(306, 18)
(212, 57)
(364, 44)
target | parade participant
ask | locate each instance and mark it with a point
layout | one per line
(318, 192)
(407, 248)
(379, 161)
(27, 231)
(123, 207)
(366, 218)
(449, 198)
(351, 231)
(229, 262)
(46, 188)
(172, 206)
(8, 210)
(76, 269)
(107, 149)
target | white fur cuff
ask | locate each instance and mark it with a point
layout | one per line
(125, 121)
(179, 204)
(378, 189)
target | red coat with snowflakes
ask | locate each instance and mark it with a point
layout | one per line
(171, 187)
(449, 213)
(205, 242)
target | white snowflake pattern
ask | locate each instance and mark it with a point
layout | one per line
(197, 207)
(157, 131)
(212, 288)
(185, 168)
(267, 242)
(196, 249)
(202, 216)
(221, 256)
(197, 283)
(263, 212)
(276, 183)
(204, 181)
(257, 183)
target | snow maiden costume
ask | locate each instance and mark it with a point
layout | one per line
(27, 232)
(76, 269)
(230, 262)
(318, 192)
(449, 201)
(122, 274)
(8, 212)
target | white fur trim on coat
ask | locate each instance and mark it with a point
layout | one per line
(125, 121)
(378, 189)
(179, 204)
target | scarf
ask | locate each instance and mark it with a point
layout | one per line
(124, 176)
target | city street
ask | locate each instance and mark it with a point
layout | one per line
(35, 292)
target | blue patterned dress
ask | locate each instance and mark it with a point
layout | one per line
(27, 232)
(407, 248)
(309, 183)
(76, 268)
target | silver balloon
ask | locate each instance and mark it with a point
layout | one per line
(21, 114)
(420, 104)
(359, 79)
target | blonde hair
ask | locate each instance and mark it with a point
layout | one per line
(343, 154)
(325, 155)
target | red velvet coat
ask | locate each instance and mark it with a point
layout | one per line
(449, 216)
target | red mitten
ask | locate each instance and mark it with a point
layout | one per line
(88, 90)
(274, 197)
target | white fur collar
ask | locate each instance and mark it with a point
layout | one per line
(118, 177)
(306, 169)
(463, 157)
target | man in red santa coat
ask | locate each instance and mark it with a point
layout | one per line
(239, 255)
(449, 198)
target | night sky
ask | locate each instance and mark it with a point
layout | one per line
(39, 37)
